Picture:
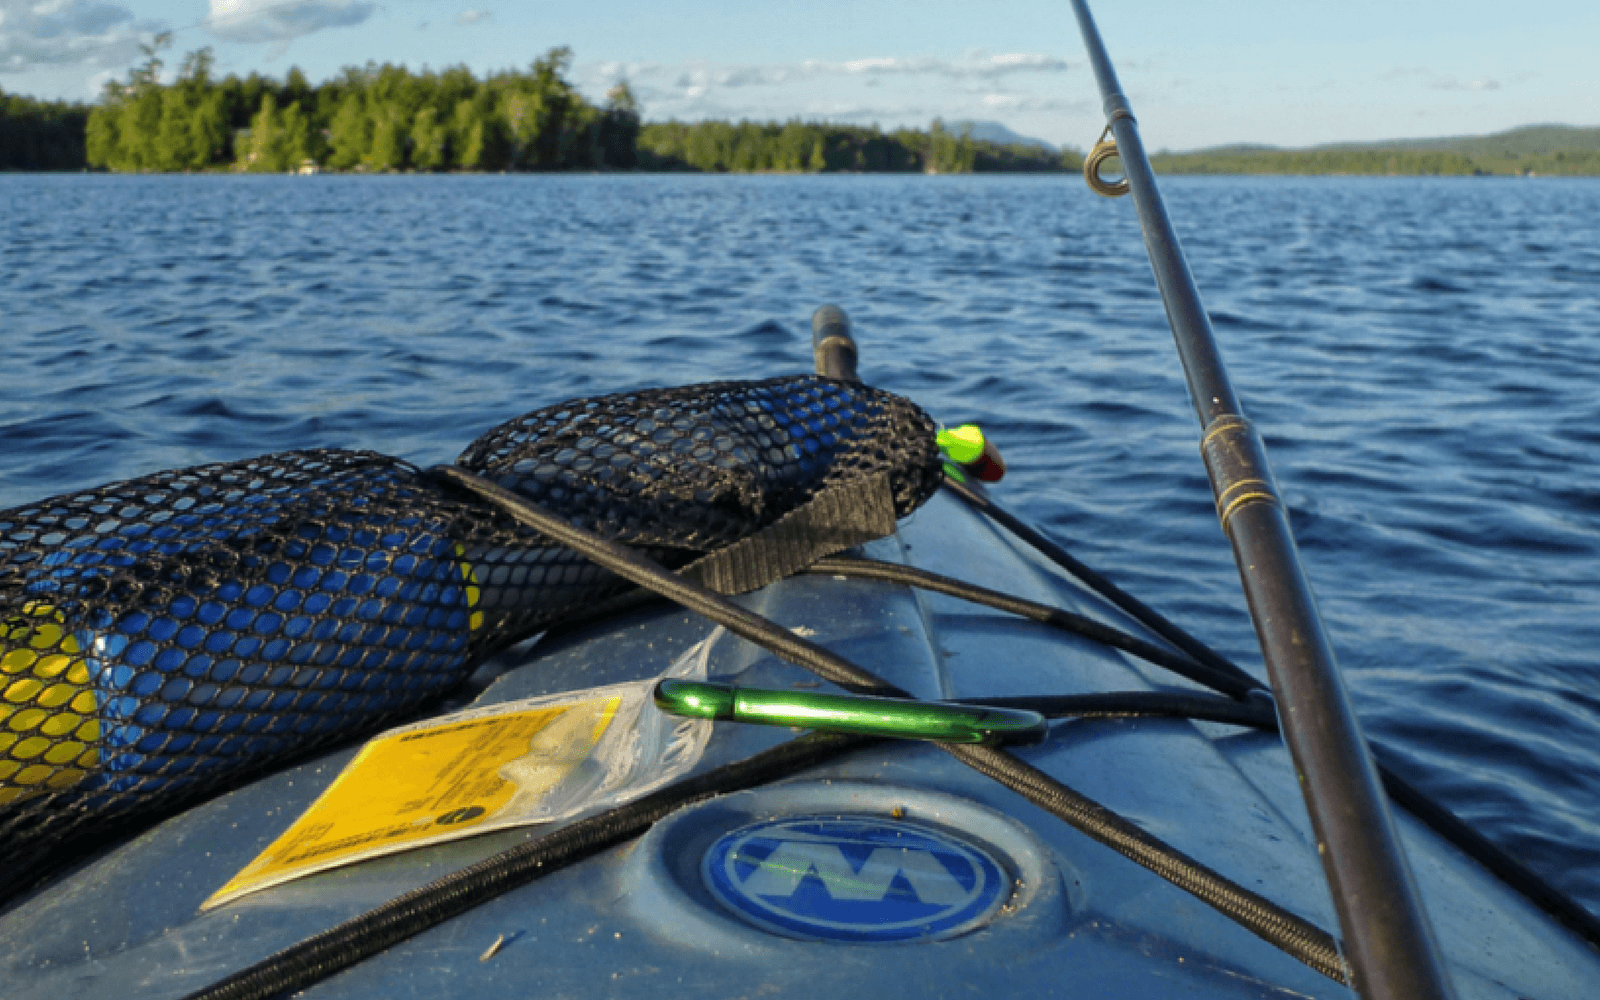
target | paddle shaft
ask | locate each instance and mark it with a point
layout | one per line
(1388, 942)
(832, 345)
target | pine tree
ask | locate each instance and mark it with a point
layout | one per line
(262, 153)
(466, 128)
(618, 137)
(141, 123)
(203, 135)
(102, 137)
(428, 141)
(173, 147)
(388, 150)
(350, 133)
(293, 148)
(208, 129)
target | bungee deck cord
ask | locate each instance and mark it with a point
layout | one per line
(169, 635)
(348, 943)
(553, 455)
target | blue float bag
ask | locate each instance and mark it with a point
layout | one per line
(165, 637)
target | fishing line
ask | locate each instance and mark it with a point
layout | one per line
(345, 945)
(1127, 603)
(1274, 924)
(1256, 713)
(848, 566)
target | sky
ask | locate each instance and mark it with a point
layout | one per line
(1293, 73)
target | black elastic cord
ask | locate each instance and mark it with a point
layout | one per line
(1475, 846)
(1292, 934)
(318, 957)
(635, 568)
(1302, 940)
(1436, 817)
(1130, 605)
(834, 668)
(1184, 666)
(1260, 715)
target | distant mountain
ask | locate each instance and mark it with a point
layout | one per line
(996, 132)
(1531, 150)
(1527, 140)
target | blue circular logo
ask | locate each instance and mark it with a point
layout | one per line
(864, 879)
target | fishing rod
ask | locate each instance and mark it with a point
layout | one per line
(1388, 943)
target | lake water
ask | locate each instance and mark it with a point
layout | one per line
(1422, 355)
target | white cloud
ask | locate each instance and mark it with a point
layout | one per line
(1033, 102)
(35, 34)
(1441, 81)
(861, 114)
(981, 65)
(700, 78)
(1481, 84)
(278, 21)
(472, 16)
(977, 65)
(891, 91)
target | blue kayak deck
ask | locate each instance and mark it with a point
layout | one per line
(1079, 920)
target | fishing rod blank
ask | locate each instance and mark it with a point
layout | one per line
(1388, 942)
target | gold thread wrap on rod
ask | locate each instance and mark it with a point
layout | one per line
(1387, 939)
(1236, 462)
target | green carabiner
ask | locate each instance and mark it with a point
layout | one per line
(902, 718)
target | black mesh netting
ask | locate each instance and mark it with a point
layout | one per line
(164, 636)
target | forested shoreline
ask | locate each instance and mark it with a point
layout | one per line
(806, 147)
(373, 119)
(1382, 162)
(379, 119)
(41, 135)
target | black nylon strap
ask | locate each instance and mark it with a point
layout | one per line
(840, 517)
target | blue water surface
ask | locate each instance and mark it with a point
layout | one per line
(1423, 356)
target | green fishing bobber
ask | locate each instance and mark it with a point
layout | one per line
(969, 448)
(168, 636)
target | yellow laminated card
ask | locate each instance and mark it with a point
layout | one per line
(486, 769)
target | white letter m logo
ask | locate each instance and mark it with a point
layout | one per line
(782, 871)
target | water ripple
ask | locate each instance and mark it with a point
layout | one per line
(1421, 354)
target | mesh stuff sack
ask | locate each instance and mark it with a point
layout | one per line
(168, 636)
